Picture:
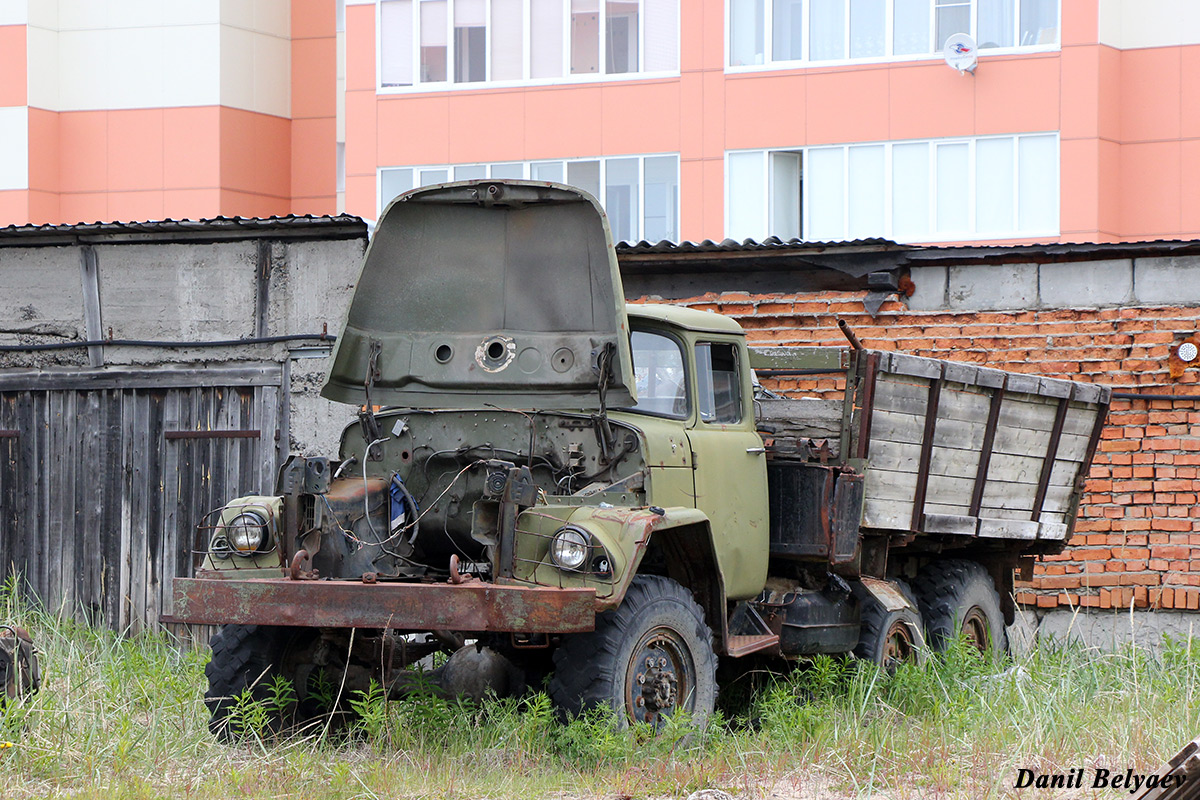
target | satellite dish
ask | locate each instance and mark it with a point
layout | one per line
(961, 53)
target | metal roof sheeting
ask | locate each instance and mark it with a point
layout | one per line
(749, 245)
(774, 247)
(218, 228)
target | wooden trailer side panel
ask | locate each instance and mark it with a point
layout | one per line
(956, 449)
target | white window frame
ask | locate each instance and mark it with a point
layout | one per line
(805, 61)
(973, 233)
(449, 85)
(526, 167)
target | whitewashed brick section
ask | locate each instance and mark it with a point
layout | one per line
(14, 147)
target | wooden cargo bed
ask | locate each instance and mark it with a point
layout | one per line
(943, 447)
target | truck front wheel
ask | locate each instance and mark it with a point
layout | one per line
(958, 597)
(648, 659)
(246, 660)
(889, 638)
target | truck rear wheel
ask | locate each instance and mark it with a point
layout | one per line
(647, 659)
(888, 638)
(958, 597)
(249, 657)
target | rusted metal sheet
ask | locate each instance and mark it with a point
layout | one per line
(471, 606)
(886, 592)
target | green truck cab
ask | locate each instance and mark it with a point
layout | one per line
(553, 486)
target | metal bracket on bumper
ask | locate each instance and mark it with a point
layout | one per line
(473, 606)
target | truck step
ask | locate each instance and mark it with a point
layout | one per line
(744, 645)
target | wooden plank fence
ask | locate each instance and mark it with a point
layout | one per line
(104, 474)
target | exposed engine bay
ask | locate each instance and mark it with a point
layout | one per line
(426, 488)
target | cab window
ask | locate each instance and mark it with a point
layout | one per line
(661, 380)
(720, 389)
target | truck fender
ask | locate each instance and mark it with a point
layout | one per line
(681, 547)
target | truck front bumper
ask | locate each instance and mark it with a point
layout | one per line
(473, 606)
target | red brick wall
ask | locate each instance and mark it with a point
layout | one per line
(1137, 540)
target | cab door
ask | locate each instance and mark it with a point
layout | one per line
(729, 463)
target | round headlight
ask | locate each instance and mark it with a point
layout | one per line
(247, 532)
(569, 547)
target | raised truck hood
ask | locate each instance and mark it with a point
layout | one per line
(500, 292)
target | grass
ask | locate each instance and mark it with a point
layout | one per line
(123, 718)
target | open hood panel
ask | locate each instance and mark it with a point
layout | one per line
(500, 292)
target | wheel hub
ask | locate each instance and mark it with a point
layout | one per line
(660, 677)
(975, 628)
(659, 685)
(899, 645)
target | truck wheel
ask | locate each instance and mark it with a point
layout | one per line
(647, 659)
(248, 657)
(888, 638)
(958, 597)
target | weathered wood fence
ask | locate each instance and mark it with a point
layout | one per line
(104, 474)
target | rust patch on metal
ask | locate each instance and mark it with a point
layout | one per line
(471, 606)
(886, 593)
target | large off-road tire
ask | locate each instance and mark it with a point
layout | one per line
(647, 659)
(888, 638)
(958, 597)
(249, 657)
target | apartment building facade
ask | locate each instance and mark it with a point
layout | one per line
(689, 119)
(813, 119)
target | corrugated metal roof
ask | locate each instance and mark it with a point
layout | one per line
(907, 253)
(748, 245)
(305, 226)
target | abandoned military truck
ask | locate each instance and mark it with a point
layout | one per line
(559, 490)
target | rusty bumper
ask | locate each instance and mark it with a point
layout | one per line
(471, 607)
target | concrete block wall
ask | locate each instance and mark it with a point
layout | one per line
(1137, 541)
(188, 291)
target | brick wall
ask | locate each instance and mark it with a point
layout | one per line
(1137, 540)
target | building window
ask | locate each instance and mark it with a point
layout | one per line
(814, 31)
(445, 43)
(640, 194)
(990, 187)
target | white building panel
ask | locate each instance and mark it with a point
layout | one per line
(14, 12)
(86, 55)
(43, 14)
(81, 15)
(189, 54)
(1129, 24)
(42, 67)
(14, 147)
(134, 13)
(256, 71)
